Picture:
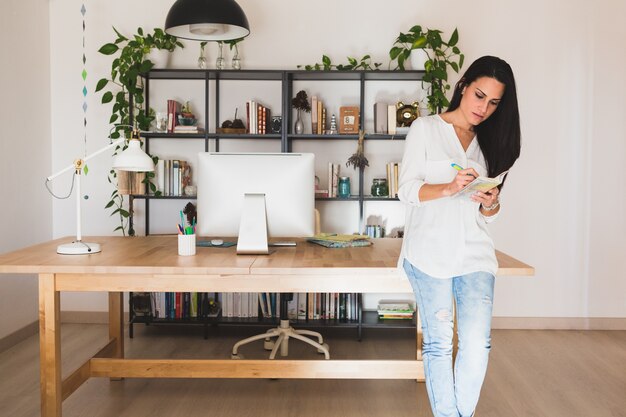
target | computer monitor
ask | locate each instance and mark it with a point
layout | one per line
(250, 194)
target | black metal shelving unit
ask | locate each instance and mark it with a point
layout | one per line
(286, 137)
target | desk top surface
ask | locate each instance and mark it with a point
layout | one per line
(158, 255)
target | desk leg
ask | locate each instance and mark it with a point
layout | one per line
(116, 324)
(49, 346)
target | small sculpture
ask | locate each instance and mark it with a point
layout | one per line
(333, 125)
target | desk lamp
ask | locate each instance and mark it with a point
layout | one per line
(207, 20)
(131, 159)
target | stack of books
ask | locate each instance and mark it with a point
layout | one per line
(398, 310)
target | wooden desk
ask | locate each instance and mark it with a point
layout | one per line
(152, 264)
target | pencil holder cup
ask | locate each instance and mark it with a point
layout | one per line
(186, 245)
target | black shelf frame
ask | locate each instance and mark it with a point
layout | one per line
(286, 137)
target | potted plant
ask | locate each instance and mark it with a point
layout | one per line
(441, 55)
(125, 89)
(300, 102)
(236, 62)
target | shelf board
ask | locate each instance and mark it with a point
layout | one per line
(244, 321)
(161, 135)
(372, 198)
(244, 136)
(293, 136)
(199, 74)
(162, 197)
(277, 75)
(351, 198)
(369, 136)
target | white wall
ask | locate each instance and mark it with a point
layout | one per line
(564, 201)
(25, 212)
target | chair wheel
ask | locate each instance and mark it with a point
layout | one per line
(237, 356)
(268, 344)
(326, 346)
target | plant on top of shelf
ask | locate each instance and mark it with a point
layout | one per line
(441, 56)
(125, 86)
(353, 64)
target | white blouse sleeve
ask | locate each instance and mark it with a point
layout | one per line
(412, 172)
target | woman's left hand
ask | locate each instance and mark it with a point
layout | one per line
(486, 199)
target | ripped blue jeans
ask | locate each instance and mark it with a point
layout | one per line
(454, 393)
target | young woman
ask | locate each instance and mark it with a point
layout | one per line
(447, 253)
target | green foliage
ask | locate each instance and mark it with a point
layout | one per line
(232, 43)
(353, 64)
(443, 55)
(125, 86)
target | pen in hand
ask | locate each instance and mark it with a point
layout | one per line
(459, 168)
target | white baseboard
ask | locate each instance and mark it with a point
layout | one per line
(559, 323)
(87, 317)
(516, 323)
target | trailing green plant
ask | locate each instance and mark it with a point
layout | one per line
(353, 64)
(442, 55)
(124, 87)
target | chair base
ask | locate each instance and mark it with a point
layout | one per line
(283, 333)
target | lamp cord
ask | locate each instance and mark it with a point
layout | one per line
(59, 197)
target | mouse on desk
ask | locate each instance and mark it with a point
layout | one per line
(217, 242)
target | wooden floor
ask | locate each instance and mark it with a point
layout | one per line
(531, 373)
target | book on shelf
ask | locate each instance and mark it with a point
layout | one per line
(482, 184)
(314, 100)
(188, 129)
(258, 117)
(380, 118)
(333, 179)
(391, 119)
(173, 109)
(393, 176)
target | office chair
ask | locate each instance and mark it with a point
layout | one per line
(284, 331)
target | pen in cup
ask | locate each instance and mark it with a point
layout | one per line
(459, 168)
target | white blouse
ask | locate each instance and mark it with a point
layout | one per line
(445, 237)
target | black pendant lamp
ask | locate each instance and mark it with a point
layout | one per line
(207, 20)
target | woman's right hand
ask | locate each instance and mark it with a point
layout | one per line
(463, 177)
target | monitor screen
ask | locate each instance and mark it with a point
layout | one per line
(281, 184)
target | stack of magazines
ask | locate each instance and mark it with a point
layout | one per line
(340, 241)
(399, 310)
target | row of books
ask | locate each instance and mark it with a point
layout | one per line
(393, 178)
(258, 118)
(303, 306)
(333, 178)
(318, 116)
(172, 176)
(181, 305)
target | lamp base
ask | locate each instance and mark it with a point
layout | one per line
(78, 248)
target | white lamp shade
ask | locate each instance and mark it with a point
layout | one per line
(133, 158)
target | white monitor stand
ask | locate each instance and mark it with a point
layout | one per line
(253, 226)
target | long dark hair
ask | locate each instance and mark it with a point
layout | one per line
(499, 136)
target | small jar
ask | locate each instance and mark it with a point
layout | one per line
(343, 188)
(380, 187)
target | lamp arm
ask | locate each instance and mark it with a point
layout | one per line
(79, 162)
